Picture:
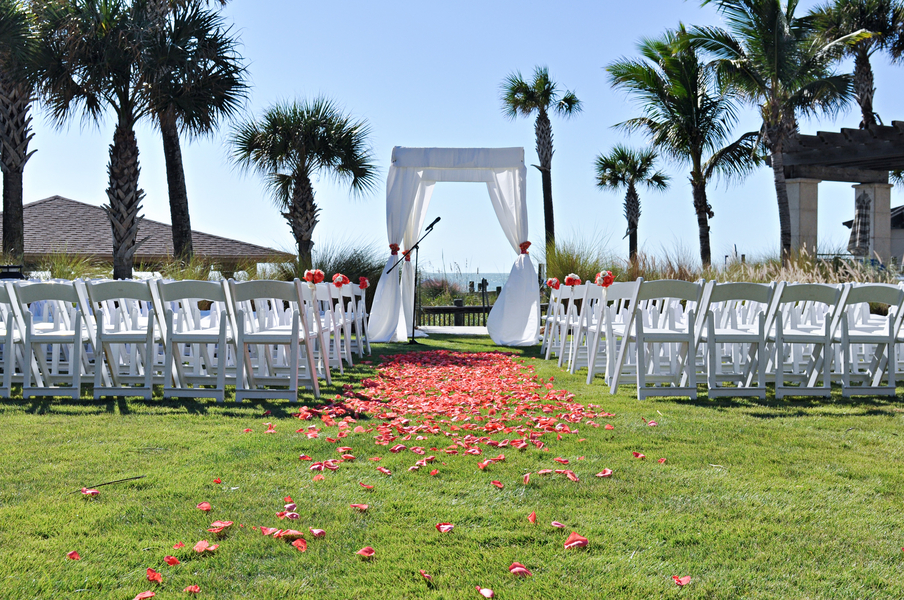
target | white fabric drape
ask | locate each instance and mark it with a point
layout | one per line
(515, 317)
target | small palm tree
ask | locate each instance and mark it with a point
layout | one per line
(17, 45)
(90, 61)
(195, 79)
(627, 168)
(884, 19)
(541, 96)
(685, 117)
(769, 57)
(294, 142)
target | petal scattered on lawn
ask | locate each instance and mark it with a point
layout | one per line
(384, 470)
(485, 592)
(532, 517)
(652, 424)
(638, 455)
(434, 472)
(317, 533)
(248, 430)
(519, 570)
(360, 507)
(318, 477)
(88, 492)
(526, 478)
(192, 589)
(305, 457)
(301, 544)
(218, 480)
(661, 460)
(575, 541)
(179, 545)
(171, 560)
(571, 475)
(425, 575)
(682, 581)
(605, 473)
(444, 527)
(205, 506)
(366, 552)
(609, 427)
(73, 555)
(544, 471)
(497, 484)
(154, 576)
(560, 460)
(365, 486)
(204, 545)
(144, 595)
(557, 524)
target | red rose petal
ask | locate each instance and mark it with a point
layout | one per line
(575, 541)
(154, 576)
(301, 544)
(497, 484)
(73, 555)
(532, 517)
(144, 595)
(444, 527)
(557, 524)
(526, 478)
(366, 552)
(682, 581)
(425, 575)
(608, 426)
(192, 589)
(638, 455)
(360, 507)
(88, 492)
(485, 592)
(317, 533)
(179, 545)
(519, 570)
(661, 460)
(205, 506)
(365, 486)
(171, 560)
(434, 472)
(605, 473)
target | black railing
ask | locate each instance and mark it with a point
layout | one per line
(456, 316)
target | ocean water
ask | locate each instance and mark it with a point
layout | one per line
(462, 279)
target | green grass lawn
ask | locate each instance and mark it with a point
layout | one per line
(756, 499)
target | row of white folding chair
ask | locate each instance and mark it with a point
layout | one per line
(564, 320)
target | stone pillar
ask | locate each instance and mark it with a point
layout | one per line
(803, 202)
(879, 218)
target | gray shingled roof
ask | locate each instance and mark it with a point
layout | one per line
(58, 224)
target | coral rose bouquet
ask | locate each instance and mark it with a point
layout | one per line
(339, 280)
(363, 283)
(572, 279)
(553, 283)
(604, 278)
(313, 277)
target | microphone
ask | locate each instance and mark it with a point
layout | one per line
(430, 226)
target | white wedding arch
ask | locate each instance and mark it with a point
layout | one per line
(515, 317)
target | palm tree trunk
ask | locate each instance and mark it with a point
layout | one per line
(863, 86)
(632, 213)
(543, 132)
(15, 134)
(302, 217)
(784, 210)
(175, 180)
(125, 199)
(701, 207)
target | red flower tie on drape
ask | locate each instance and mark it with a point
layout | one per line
(408, 256)
(524, 246)
(394, 248)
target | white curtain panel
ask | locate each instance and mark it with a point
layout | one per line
(515, 318)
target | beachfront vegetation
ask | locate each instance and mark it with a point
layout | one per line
(769, 56)
(884, 20)
(540, 95)
(195, 79)
(686, 117)
(628, 168)
(295, 141)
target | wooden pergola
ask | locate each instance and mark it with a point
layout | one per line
(860, 156)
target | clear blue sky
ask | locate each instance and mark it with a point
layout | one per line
(428, 74)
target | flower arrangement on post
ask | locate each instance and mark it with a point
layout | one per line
(339, 280)
(604, 278)
(553, 283)
(572, 279)
(313, 277)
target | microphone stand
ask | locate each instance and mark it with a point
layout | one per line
(405, 254)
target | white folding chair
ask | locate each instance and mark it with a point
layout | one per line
(805, 321)
(56, 343)
(258, 306)
(126, 338)
(197, 345)
(664, 338)
(568, 325)
(609, 328)
(11, 338)
(868, 341)
(331, 329)
(318, 336)
(552, 314)
(362, 335)
(735, 338)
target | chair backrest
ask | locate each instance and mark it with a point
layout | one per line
(882, 293)
(752, 292)
(173, 291)
(101, 291)
(35, 292)
(250, 290)
(670, 288)
(810, 292)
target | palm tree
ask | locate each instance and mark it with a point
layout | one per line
(769, 57)
(685, 117)
(195, 78)
(884, 19)
(90, 60)
(541, 95)
(17, 45)
(291, 144)
(627, 168)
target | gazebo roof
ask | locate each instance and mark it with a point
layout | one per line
(58, 224)
(855, 155)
